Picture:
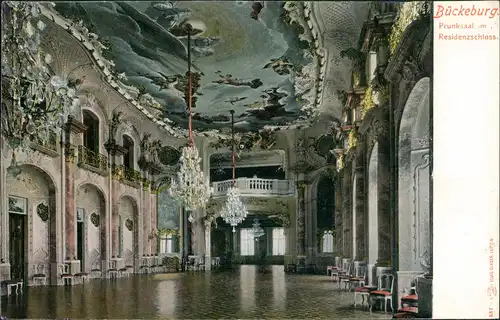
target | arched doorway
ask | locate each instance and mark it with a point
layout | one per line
(32, 223)
(90, 227)
(413, 181)
(325, 215)
(125, 224)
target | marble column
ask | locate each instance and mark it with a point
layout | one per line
(146, 227)
(361, 230)
(186, 233)
(385, 239)
(301, 222)
(338, 218)
(115, 243)
(153, 214)
(347, 211)
(70, 220)
(208, 245)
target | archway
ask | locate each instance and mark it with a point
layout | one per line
(32, 223)
(325, 215)
(373, 241)
(91, 232)
(126, 228)
(413, 181)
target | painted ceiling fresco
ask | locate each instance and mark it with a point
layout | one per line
(246, 56)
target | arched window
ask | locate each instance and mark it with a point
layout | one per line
(325, 214)
(91, 135)
(128, 156)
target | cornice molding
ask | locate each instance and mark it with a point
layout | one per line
(413, 33)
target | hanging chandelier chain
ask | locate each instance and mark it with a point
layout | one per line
(190, 86)
(233, 160)
(191, 188)
(235, 211)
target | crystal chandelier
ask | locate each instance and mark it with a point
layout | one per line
(257, 230)
(191, 188)
(234, 211)
(34, 101)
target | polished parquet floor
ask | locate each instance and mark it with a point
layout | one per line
(241, 294)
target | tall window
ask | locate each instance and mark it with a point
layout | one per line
(325, 214)
(167, 244)
(327, 242)
(91, 135)
(247, 246)
(128, 156)
(278, 241)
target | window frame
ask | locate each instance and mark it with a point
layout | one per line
(247, 241)
(278, 242)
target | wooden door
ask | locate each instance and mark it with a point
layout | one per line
(17, 245)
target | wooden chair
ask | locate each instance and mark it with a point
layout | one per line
(344, 275)
(39, 277)
(337, 265)
(145, 265)
(339, 270)
(66, 275)
(383, 292)
(82, 276)
(301, 266)
(112, 270)
(201, 264)
(95, 271)
(409, 302)
(193, 263)
(359, 277)
(364, 292)
(129, 262)
(11, 286)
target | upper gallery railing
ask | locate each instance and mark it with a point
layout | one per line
(255, 186)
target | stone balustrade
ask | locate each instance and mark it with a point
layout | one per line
(255, 186)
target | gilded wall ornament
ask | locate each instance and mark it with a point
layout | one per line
(129, 224)
(95, 219)
(43, 211)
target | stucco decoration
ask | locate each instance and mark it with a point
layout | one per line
(95, 219)
(129, 224)
(42, 209)
(339, 23)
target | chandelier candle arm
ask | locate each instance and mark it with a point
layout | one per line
(233, 160)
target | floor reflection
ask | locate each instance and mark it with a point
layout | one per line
(245, 293)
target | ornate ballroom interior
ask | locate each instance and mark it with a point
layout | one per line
(210, 159)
